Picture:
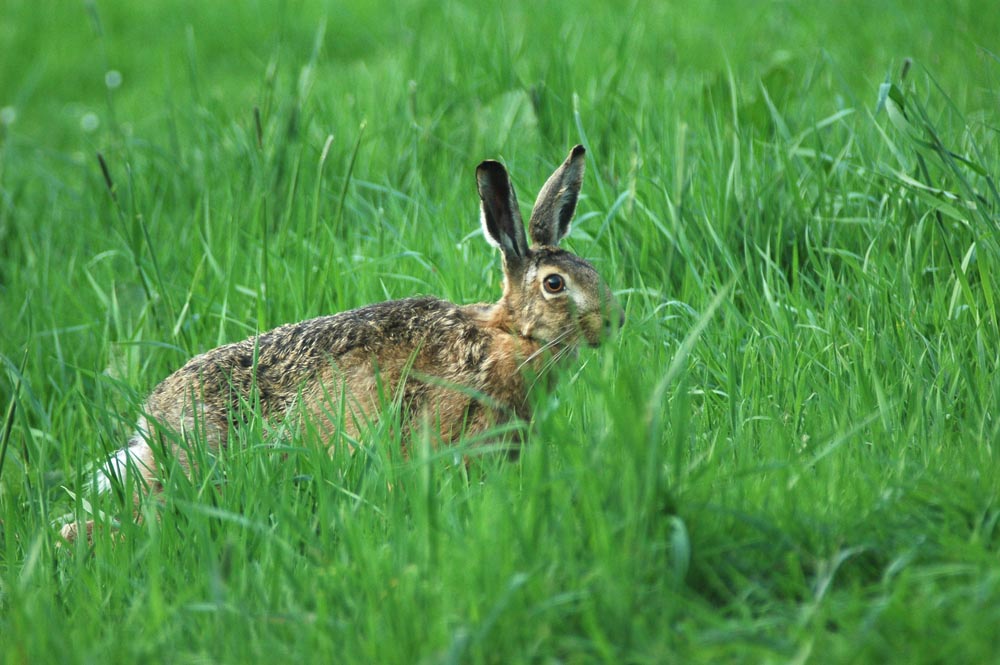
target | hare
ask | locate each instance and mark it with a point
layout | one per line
(460, 369)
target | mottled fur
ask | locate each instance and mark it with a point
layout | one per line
(459, 369)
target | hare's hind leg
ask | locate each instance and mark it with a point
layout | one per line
(132, 467)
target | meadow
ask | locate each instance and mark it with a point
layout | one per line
(787, 455)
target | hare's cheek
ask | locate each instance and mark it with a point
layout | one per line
(542, 314)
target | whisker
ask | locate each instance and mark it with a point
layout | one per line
(546, 346)
(550, 362)
(538, 352)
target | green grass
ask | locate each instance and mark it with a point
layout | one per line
(787, 455)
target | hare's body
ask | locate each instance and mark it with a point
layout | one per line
(457, 370)
(333, 373)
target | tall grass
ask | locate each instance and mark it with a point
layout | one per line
(787, 455)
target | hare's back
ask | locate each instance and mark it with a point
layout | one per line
(279, 361)
(405, 326)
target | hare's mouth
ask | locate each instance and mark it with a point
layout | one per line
(555, 345)
(565, 338)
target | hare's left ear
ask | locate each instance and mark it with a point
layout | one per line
(501, 218)
(556, 203)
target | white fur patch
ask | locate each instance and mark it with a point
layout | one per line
(531, 274)
(578, 296)
(486, 232)
(136, 455)
(116, 467)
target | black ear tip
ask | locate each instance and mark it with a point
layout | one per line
(491, 167)
(491, 175)
(578, 151)
(491, 179)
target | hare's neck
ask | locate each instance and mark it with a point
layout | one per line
(498, 317)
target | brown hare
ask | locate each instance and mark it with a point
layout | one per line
(460, 369)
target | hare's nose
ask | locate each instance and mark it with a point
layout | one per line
(609, 322)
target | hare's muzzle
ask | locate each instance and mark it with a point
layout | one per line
(609, 318)
(614, 318)
(616, 321)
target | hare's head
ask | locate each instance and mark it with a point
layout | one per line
(550, 295)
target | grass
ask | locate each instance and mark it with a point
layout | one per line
(787, 455)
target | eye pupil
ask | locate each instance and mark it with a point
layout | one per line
(554, 283)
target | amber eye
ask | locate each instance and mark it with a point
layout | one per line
(554, 283)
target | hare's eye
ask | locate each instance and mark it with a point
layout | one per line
(554, 283)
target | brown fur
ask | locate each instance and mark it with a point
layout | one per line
(462, 369)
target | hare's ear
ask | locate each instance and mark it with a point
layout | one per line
(501, 218)
(556, 203)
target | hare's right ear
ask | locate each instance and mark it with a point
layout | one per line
(501, 218)
(556, 203)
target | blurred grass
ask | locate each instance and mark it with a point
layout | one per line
(786, 456)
